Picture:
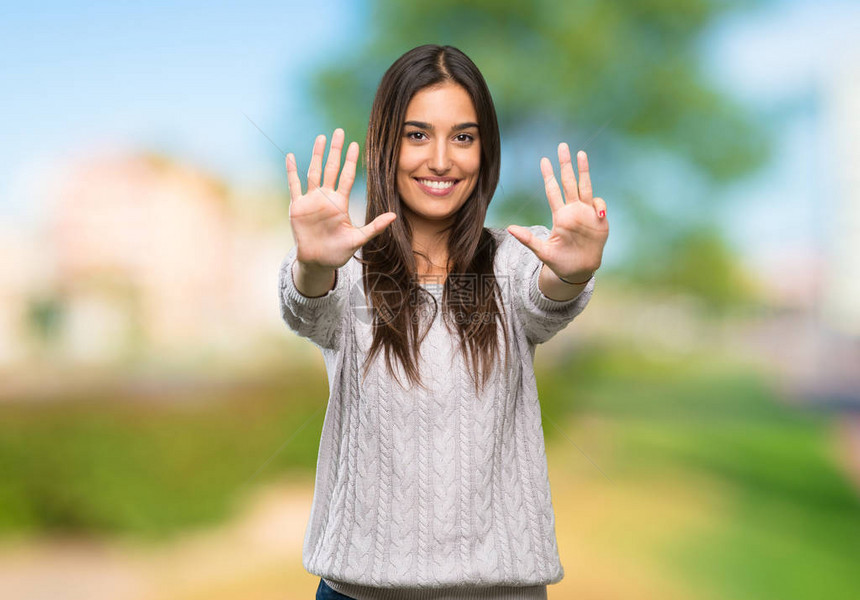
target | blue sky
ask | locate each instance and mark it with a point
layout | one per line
(782, 55)
(171, 76)
(178, 78)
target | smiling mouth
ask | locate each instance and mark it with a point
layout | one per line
(437, 185)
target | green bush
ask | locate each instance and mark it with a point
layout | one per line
(152, 466)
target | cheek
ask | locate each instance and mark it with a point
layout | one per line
(473, 162)
(403, 171)
(408, 161)
(401, 182)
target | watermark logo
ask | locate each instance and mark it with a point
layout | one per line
(387, 287)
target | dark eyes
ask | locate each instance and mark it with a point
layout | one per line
(460, 137)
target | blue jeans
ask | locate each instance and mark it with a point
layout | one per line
(324, 592)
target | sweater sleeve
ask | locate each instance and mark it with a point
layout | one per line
(541, 316)
(318, 319)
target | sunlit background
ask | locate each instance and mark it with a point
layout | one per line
(159, 423)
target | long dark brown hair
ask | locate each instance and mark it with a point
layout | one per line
(389, 269)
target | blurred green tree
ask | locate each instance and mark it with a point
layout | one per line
(607, 75)
(700, 263)
(44, 319)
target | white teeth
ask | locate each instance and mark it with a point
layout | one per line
(437, 185)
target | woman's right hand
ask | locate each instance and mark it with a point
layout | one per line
(325, 237)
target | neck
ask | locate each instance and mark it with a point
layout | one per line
(429, 239)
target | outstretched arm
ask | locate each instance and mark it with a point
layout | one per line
(313, 287)
(324, 234)
(573, 250)
(541, 316)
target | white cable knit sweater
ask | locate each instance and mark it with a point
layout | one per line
(432, 494)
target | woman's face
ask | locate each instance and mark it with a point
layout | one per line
(440, 154)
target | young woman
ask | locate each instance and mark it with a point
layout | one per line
(431, 478)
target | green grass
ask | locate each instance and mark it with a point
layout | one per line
(151, 468)
(792, 529)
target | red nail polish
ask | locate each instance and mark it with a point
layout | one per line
(602, 213)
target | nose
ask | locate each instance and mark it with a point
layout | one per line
(439, 160)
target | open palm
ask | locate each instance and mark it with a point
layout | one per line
(324, 234)
(574, 247)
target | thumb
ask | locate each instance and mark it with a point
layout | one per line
(525, 236)
(377, 226)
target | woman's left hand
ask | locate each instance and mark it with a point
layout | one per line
(574, 248)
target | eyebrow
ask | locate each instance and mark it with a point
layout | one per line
(422, 125)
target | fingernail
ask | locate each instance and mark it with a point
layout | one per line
(602, 214)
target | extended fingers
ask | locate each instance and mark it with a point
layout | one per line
(585, 192)
(315, 169)
(553, 191)
(568, 177)
(347, 176)
(293, 178)
(332, 165)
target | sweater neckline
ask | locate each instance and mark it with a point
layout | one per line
(435, 289)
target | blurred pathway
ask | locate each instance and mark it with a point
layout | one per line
(608, 532)
(263, 545)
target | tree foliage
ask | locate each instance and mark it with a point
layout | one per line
(633, 63)
(601, 73)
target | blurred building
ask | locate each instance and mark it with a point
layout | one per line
(142, 257)
(823, 355)
(26, 276)
(841, 294)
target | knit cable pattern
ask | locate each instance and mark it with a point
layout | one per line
(419, 490)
